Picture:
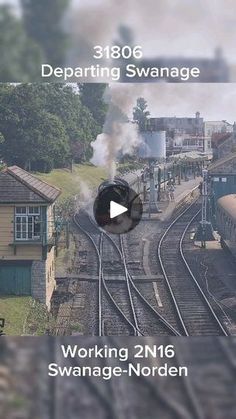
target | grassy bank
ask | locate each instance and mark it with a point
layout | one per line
(70, 182)
(15, 311)
(23, 315)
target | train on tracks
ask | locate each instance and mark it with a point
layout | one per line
(116, 190)
(226, 221)
(117, 181)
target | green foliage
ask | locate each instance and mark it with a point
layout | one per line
(43, 23)
(76, 327)
(34, 138)
(38, 320)
(81, 128)
(20, 57)
(16, 310)
(92, 96)
(140, 114)
(1, 138)
(129, 166)
(65, 208)
(70, 182)
(44, 126)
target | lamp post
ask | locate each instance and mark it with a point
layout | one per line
(174, 171)
(159, 184)
(185, 168)
(179, 172)
(164, 176)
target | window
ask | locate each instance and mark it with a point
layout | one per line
(21, 228)
(27, 223)
(34, 211)
(21, 210)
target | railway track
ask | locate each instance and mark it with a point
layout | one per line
(121, 305)
(196, 316)
(107, 303)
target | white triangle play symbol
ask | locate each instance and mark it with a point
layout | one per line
(116, 209)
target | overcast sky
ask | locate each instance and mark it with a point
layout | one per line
(213, 101)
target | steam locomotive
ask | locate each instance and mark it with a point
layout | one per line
(116, 181)
(226, 221)
(117, 190)
(110, 190)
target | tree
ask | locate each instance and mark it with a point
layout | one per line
(51, 143)
(44, 126)
(20, 56)
(34, 138)
(64, 101)
(43, 23)
(140, 114)
(92, 96)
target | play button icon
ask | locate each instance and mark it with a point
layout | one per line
(117, 207)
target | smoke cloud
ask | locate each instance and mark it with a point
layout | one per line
(163, 99)
(119, 136)
(85, 198)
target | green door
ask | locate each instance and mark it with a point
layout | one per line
(15, 280)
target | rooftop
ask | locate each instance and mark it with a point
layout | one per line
(219, 162)
(19, 186)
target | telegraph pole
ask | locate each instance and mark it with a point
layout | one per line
(204, 206)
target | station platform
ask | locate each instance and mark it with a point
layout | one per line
(166, 206)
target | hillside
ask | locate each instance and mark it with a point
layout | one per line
(70, 183)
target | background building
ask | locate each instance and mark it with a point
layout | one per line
(213, 127)
(194, 134)
(182, 133)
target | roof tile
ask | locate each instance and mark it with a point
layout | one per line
(17, 185)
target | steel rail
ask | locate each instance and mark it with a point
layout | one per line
(133, 326)
(164, 270)
(141, 296)
(221, 326)
(170, 288)
(122, 258)
(102, 284)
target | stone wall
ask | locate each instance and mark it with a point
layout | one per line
(50, 275)
(42, 284)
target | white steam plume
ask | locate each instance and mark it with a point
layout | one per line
(85, 199)
(119, 135)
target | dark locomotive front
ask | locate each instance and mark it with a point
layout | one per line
(116, 190)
